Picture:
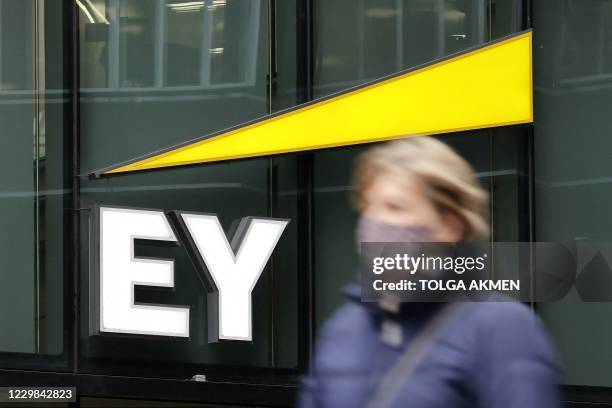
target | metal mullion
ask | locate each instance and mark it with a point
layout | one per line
(360, 39)
(399, 34)
(527, 184)
(160, 34)
(114, 14)
(481, 14)
(272, 177)
(441, 29)
(38, 95)
(1, 45)
(207, 30)
(72, 178)
(306, 278)
(249, 70)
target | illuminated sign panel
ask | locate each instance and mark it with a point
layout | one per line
(232, 271)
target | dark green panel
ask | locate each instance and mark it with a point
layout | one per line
(32, 177)
(17, 180)
(573, 67)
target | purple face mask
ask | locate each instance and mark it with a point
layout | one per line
(371, 230)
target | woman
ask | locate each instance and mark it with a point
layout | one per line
(427, 355)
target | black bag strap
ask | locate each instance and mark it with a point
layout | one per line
(417, 350)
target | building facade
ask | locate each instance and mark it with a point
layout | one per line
(85, 84)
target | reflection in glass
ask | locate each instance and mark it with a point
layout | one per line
(155, 73)
(184, 41)
(32, 189)
(362, 40)
(152, 44)
(573, 72)
(137, 47)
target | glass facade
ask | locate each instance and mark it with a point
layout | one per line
(572, 165)
(86, 84)
(34, 196)
(194, 69)
(356, 42)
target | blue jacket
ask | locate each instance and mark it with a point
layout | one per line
(488, 355)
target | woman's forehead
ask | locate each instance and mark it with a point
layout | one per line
(393, 185)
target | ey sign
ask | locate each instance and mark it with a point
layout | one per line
(230, 270)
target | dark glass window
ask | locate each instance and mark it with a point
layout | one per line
(200, 67)
(357, 41)
(573, 173)
(34, 196)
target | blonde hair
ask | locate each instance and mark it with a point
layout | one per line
(448, 179)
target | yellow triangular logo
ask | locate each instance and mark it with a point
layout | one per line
(485, 87)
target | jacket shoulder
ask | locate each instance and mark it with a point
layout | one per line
(512, 329)
(345, 339)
